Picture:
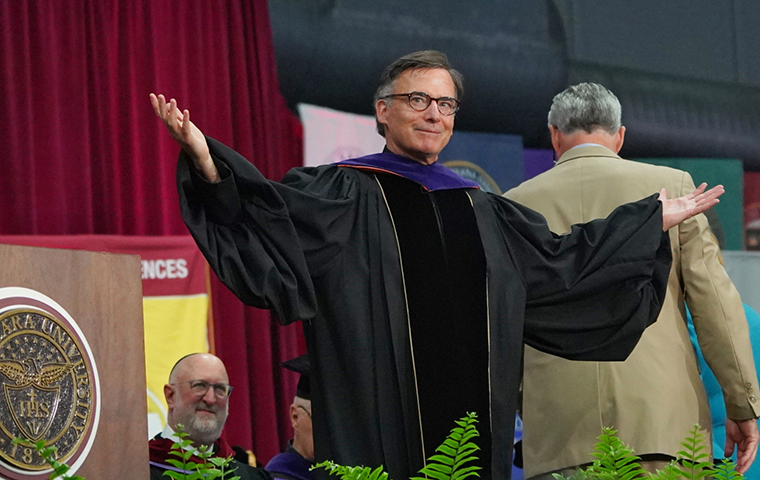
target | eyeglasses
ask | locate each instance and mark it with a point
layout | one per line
(304, 409)
(200, 387)
(420, 101)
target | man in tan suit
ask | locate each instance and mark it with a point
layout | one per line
(655, 396)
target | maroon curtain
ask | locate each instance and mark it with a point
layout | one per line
(83, 152)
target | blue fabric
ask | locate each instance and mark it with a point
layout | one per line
(290, 465)
(714, 393)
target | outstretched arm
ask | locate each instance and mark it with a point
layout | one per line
(187, 135)
(676, 210)
(744, 436)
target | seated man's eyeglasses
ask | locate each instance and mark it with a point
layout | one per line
(420, 101)
(200, 387)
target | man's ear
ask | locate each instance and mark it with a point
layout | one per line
(555, 134)
(381, 111)
(169, 394)
(619, 140)
(293, 415)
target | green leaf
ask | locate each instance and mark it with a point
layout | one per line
(444, 459)
(636, 472)
(46, 452)
(436, 475)
(466, 473)
(461, 462)
(445, 449)
(175, 463)
(378, 474)
(438, 468)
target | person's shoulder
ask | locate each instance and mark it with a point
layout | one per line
(661, 170)
(300, 177)
(245, 471)
(157, 473)
(654, 177)
(530, 185)
(540, 186)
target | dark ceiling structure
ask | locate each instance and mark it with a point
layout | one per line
(687, 72)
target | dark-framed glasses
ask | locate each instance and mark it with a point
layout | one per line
(304, 409)
(200, 387)
(420, 101)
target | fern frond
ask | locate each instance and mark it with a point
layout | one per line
(670, 472)
(352, 473)
(455, 453)
(614, 459)
(726, 470)
(694, 460)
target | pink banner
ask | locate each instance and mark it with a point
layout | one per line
(752, 210)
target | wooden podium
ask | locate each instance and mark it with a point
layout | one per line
(102, 292)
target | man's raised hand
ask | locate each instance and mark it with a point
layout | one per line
(676, 210)
(186, 134)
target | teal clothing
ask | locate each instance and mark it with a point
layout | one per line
(714, 393)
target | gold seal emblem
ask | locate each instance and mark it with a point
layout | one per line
(48, 387)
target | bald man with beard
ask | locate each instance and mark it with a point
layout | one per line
(197, 396)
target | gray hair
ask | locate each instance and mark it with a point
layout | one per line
(586, 106)
(424, 59)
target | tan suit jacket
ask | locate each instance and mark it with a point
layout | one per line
(655, 396)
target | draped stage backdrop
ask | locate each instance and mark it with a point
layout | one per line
(83, 152)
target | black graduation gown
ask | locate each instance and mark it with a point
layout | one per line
(321, 247)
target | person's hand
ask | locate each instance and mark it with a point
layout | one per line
(186, 134)
(676, 210)
(743, 435)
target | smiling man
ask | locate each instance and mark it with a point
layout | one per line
(197, 397)
(418, 132)
(416, 289)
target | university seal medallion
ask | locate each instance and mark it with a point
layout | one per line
(48, 385)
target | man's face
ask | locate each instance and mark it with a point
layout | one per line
(203, 416)
(303, 437)
(417, 135)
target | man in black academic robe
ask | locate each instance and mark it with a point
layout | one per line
(417, 289)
